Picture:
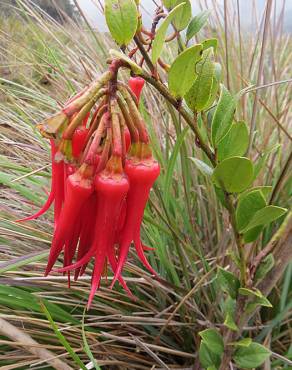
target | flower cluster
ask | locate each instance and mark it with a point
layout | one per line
(102, 173)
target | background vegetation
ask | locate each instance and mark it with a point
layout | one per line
(42, 63)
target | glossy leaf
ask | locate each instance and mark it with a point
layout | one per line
(252, 356)
(265, 190)
(182, 18)
(197, 23)
(250, 292)
(134, 67)
(247, 207)
(265, 266)
(230, 323)
(235, 142)
(258, 301)
(199, 94)
(208, 358)
(122, 19)
(179, 83)
(159, 39)
(229, 310)
(213, 340)
(252, 234)
(210, 43)
(265, 216)
(223, 116)
(169, 4)
(251, 205)
(228, 282)
(245, 342)
(234, 174)
(202, 166)
(215, 85)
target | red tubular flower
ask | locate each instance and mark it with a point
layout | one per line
(70, 247)
(87, 216)
(99, 194)
(79, 141)
(142, 175)
(111, 191)
(127, 139)
(136, 85)
(79, 187)
(56, 194)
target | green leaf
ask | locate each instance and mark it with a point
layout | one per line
(210, 43)
(250, 292)
(235, 142)
(215, 85)
(265, 216)
(202, 166)
(258, 298)
(134, 67)
(179, 83)
(199, 94)
(228, 282)
(122, 20)
(229, 322)
(182, 18)
(213, 93)
(234, 174)
(258, 301)
(159, 39)
(266, 190)
(197, 23)
(245, 342)
(213, 340)
(229, 310)
(247, 206)
(223, 116)
(218, 71)
(265, 266)
(252, 356)
(251, 207)
(252, 234)
(169, 4)
(208, 358)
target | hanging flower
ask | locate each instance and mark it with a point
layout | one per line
(102, 173)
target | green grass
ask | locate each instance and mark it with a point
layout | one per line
(42, 65)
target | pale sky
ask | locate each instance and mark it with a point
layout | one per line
(93, 14)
